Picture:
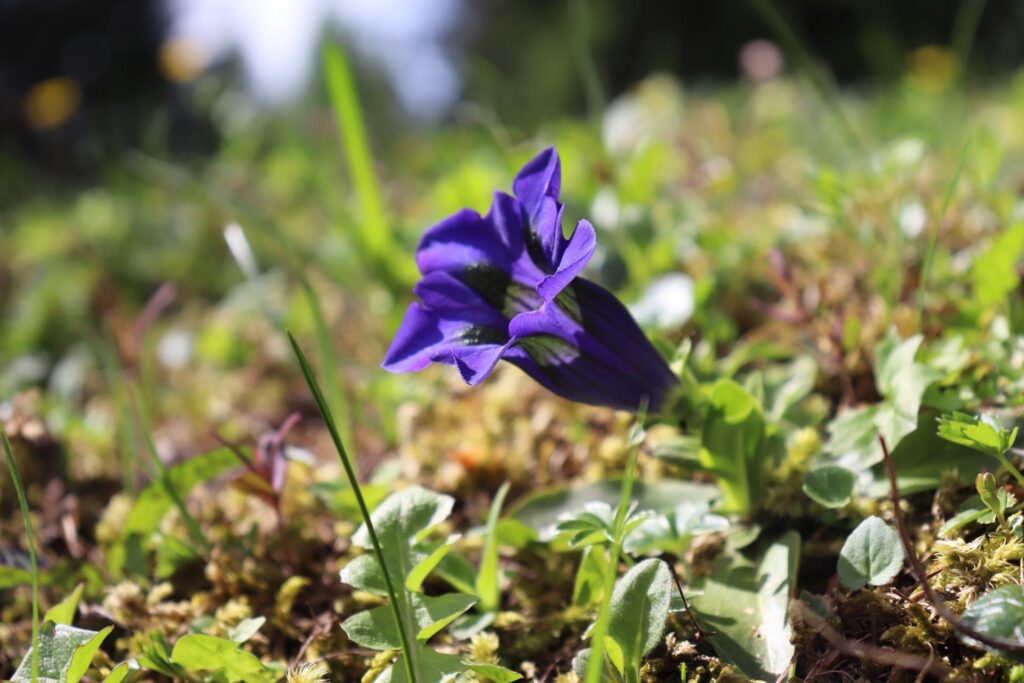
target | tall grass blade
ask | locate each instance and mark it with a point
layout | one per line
(810, 71)
(336, 398)
(346, 462)
(19, 488)
(374, 229)
(929, 255)
(162, 475)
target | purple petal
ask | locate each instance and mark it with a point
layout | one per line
(541, 177)
(416, 343)
(574, 258)
(475, 363)
(462, 239)
(444, 293)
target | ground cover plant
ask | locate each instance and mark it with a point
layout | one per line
(758, 415)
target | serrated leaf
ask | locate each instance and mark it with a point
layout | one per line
(871, 555)
(200, 652)
(65, 654)
(64, 611)
(637, 612)
(830, 485)
(982, 434)
(998, 613)
(744, 603)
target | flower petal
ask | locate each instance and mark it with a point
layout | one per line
(464, 238)
(574, 258)
(541, 177)
(475, 363)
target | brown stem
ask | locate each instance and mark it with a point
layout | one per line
(938, 603)
(872, 653)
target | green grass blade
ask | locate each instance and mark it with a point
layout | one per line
(929, 255)
(161, 474)
(19, 488)
(337, 400)
(810, 71)
(346, 462)
(374, 229)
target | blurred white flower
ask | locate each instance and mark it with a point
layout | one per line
(667, 303)
(276, 43)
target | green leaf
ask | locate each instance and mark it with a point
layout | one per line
(64, 611)
(982, 433)
(638, 609)
(434, 667)
(488, 579)
(65, 654)
(830, 485)
(744, 603)
(429, 561)
(373, 628)
(376, 629)
(401, 520)
(246, 629)
(971, 511)
(544, 509)
(589, 584)
(733, 445)
(871, 555)
(153, 503)
(493, 672)
(998, 613)
(199, 652)
(120, 672)
(363, 573)
(434, 613)
(921, 459)
(994, 271)
(459, 572)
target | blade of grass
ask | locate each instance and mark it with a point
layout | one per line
(161, 474)
(325, 352)
(965, 28)
(374, 230)
(409, 653)
(933, 238)
(242, 252)
(810, 71)
(19, 488)
(596, 662)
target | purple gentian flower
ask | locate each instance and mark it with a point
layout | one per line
(505, 286)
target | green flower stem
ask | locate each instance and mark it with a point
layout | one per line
(1014, 472)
